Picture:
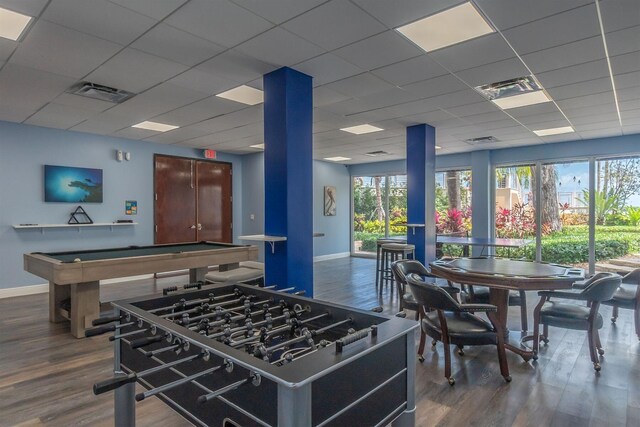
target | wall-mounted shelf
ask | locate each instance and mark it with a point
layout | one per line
(264, 238)
(79, 227)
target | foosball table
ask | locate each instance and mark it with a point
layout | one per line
(240, 355)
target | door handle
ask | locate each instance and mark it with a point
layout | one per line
(193, 227)
(199, 227)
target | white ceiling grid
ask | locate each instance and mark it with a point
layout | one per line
(177, 54)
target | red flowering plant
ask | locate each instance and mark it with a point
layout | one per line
(518, 222)
(452, 221)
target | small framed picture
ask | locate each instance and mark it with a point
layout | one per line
(329, 201)
(131, 207)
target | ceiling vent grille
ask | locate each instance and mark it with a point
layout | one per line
(481, 140)
(376, 153)
(511, 87)
(103, 93)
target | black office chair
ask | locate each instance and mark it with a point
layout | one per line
(595, 290)
(627, 296)
(401, 269)
(453, 323)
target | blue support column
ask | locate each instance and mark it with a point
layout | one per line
(288, 118)
(482, 197)
(421, 190)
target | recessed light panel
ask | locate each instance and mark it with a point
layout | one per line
(554, 131)
(158, 127)
(523, 100)
(244, 94)
(12, 24)
(446, 28)
(438, 147)
(258, 146)
(337, 159)
(360, 129)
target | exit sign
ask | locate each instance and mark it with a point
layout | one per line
(209, 154)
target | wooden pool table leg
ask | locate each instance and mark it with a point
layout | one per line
(85, 306)
(57, 294)
(197, 274)
(500, 298)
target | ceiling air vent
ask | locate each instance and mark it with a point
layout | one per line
(103, 93)
(511, 87)
(481, 140)
(376, 153)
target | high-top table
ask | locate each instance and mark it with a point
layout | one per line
(501, 275)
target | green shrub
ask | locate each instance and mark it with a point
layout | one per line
(617, 219)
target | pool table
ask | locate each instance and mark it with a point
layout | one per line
(76, 275)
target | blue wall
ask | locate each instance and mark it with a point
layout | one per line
(23, 152)
(336, 228)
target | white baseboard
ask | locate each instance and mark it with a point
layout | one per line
(24, 290)
(331, 256)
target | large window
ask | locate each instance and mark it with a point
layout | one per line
(379, 204)
(617, 213)
(515, 211)
(453, 206)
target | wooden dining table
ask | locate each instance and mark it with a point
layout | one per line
(501, 275)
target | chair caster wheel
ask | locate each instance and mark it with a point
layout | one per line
(535, 356)
(421, 358)
(451, 380)
(433, 343)
(613, 320)
(460, 352)
(508, 378)
(601, 351)
(545, 341)
(597, 367)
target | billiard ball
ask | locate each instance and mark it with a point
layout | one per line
(77, 260)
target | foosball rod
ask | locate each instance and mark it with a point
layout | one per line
(211, 298)
(113, 383)
(254, 324)
(176, 383)
(275, 331)
(228, 310)
(193, 310)
(232, 318)
(253, 377)
(308, 334)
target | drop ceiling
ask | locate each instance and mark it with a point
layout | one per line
(178, 54)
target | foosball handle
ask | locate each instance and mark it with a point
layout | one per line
(113, 383)
(351, 338)
(168, 289)
(142, 342)
(99, 330)
(197, 285)
(104, 320)
(377, 309)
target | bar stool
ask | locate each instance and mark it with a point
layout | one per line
(381, 241)
(391, 252)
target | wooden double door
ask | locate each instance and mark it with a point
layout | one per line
(193, 200)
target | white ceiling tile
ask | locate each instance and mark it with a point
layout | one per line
(324, 96)
(99, 18)
(334, 24)
(601, 133)
(380, 50)
(83, 103)
(473, 53)
(15, 113)
(328, 68)
(26, 89)
(632, 129)
(632, 104)
(623, 41)
(135, 71)
(393, 15)
(236, 66)
(204, 109)
(587, 101)
(202, 81)
(278, 11)
(486, 117)
(152, 8)
(177, 135)
(604, 108)
(626, 80)
(268, 47)
(360, 85)
(6, 48)
(586, 50)
(574, 74)
(104, 123)
(494, 72)
(552, 31)
(436, 86)
(471, 109)
(26, 7)
(510, 13)
(534, 120)
(533, 110)
(134, 133)
(411, 71)
(625, 63)
(58, 116)
(629, 93)
(619, 14)
(599, 85)
(50, 47)
(242, 117)
(594, 123)
(176, 45)
(219, 21)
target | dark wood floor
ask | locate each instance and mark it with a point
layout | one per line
(46, 375)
